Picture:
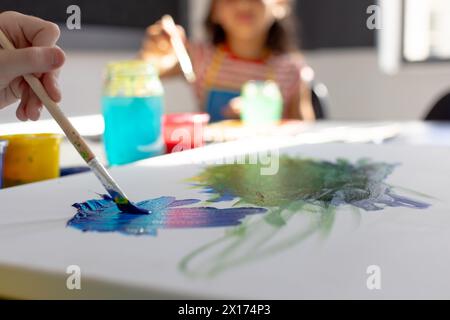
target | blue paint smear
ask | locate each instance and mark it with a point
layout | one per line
(378, 200)
(225, 196)
(102, 215)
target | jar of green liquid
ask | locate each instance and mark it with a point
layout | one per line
(133, 106)
(262, 103)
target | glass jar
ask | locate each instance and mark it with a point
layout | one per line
(262, 103)
(133, 107)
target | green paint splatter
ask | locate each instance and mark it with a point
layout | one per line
(308, 189)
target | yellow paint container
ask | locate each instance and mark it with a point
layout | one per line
(31, 158)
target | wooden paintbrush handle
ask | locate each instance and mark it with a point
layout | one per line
(52, 107)
(57, 114)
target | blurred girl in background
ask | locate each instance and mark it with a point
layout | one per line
(247, 40)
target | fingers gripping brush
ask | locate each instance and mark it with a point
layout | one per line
(116, 193)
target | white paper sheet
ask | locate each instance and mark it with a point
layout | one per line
(411, 247)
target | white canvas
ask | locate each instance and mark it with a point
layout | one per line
(411, 247)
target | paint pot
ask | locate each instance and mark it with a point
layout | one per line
(3, 145)
(184, 131)
(31, 158)
(262, 103)
(133, 106)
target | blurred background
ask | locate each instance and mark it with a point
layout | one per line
(396, 73)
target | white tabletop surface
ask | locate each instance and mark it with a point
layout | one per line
(389, 132)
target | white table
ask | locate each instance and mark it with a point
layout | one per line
(401, 133)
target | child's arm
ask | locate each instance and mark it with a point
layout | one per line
(300, 106)
(157, 49)
(292, 109)
(306, 107)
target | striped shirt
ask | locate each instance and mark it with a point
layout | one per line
(216, 67)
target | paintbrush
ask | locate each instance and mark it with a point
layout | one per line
(179, 48)
(77, 141)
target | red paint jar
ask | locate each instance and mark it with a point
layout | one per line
(184, 131)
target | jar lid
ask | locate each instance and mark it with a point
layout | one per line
(33, 139)
(131, 68)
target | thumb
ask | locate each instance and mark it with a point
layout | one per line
(15, 63)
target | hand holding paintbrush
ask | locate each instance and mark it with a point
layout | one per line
(165, 47)
(38, 89)
(36, 54)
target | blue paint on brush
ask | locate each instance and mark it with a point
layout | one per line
(125, 205)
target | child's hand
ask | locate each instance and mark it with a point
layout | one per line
(37, 54)
(156, 47)
(234, 109)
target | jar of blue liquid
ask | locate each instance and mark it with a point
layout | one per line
(133, 106)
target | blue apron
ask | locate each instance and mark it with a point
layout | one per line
(218, 99)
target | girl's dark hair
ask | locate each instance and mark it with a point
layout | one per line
(282, 37)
